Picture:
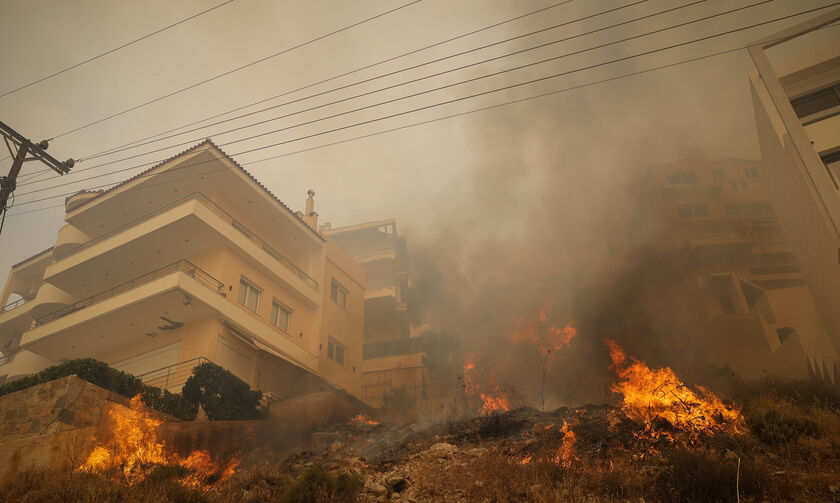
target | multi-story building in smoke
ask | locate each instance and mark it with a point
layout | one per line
(796, 97)
(759, 315)
(192, 260)
(393, 359)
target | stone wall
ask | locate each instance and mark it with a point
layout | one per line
(63, 404)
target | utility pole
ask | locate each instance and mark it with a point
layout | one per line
(20, 147)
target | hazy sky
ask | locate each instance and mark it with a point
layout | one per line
(418, 175)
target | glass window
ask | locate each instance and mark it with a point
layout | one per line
(718, 175)
(816, 102)
(249, 295)
(681, 178)
(280, 316)
(338, 294)
(335, 351)
(832, 164)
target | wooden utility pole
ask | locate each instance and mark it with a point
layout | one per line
(20, 147)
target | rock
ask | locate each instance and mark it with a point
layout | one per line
(396, 481)
(535, 488)
(478, 483)
(375, 488)
(442, 448)
(833, 489)
(478, 451)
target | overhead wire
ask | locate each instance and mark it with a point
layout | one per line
(646, 16)
(115, 49)
(356, 70)
(231, 71)
(471, 111)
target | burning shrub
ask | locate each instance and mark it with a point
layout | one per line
(659, 401)
(775, 427)
(703, 477)
(318, 484)
(222, 395)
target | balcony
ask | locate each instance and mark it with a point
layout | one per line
(172, 377)
(182, 266)
(156, 304)
(186, 227)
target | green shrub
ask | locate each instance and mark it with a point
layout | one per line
(93, 371)
(317, 484)
(701, 477)
(168, 402)
(773, 427)
(221, 394)
(803, 392)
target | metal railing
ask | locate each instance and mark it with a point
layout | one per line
(215, 208)
(21, 301)
(172, 376)
(184, 266)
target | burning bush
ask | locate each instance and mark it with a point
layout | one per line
(658, 400)
(135, 452)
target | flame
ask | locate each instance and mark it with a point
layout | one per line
(493, 400)
(362, 419)
(651, 396)
(136, 450)
(541, 333)
(566, 454)
(525, 460)
(497, 402)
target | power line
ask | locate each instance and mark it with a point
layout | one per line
(435, 75)
(467, 97)
(160, 137)
(371, 65)
(228, 72)
(115, 49)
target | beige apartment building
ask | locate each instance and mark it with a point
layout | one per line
(796, 98)
(759, 316)
(189, 261)
(392, 358)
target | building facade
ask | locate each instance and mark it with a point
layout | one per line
(192, 260)
(759, 315)
(796, 100)
(393, 359)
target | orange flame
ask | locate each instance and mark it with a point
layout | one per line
(650, 396)
(362, 419)
(136, 450)
(543, 334)
(494, 403)
(566, 454)
(495, 400)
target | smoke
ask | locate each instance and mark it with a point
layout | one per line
(556, 210)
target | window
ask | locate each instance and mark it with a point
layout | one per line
(832, 164)
(693, 210)
(717, 175)
(681, 178)
(280, 316)
(338, 294)
(751, 172)
(249, 295)
(816, 102)
(335, 351)
(744, 184)
(734, 185)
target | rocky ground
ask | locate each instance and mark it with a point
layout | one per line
(787, 450)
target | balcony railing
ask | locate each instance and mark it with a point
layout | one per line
(184, 266)
(172, 376)
(215, 208)
(21, 301)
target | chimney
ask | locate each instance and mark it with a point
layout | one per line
(310, 216)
